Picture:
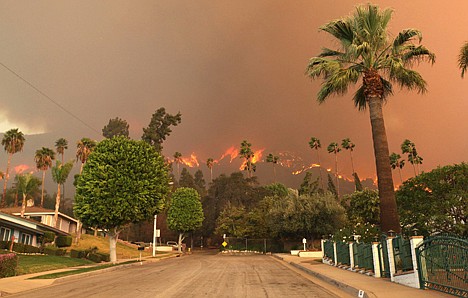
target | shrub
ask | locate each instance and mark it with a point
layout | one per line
(54, 251)
(25, 248)
(104, 257)
(5, 244)
(96, 258)
(8, 264)
(63, 241)
(48, 237)
(18, 247)
(78, 253)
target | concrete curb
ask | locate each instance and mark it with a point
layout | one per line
(340, 285)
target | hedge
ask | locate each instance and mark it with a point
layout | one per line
(104, 257)
(5, 244)
(25, 248)
(8, 264)
(63, 241)
(96, 258)
(48, 237)
(54, 251)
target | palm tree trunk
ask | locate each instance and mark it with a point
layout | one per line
(389, 219)
(352, 163)
(211, 174)
(336, 176)
(57, 205)
(23, 205)
(274, 171)
(320, 169)
(42, 193)
(2, 204)
(401, 178)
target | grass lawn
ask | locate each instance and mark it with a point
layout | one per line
(39, 263)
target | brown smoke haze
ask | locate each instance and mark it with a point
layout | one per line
(234, 69)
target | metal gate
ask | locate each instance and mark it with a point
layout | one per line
(443, 264)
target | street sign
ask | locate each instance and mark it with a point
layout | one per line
(224, 243)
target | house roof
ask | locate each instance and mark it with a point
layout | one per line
(35, 211)
(29, 224)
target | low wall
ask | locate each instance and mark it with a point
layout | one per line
(310, 254)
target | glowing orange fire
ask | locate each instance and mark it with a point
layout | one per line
(304, 168)
(21, 168)
(233, 152)
(190, 161)
(257, 157)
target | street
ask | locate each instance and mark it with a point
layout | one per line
(198, 275)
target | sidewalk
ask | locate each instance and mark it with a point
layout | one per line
(352, 282)
(21, 283)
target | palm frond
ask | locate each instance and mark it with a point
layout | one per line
(417, 54)
(338, 82)
(321, 67)
(405, 36)
(341, 30)
(463, 59)
(407, 78)
(326, 52)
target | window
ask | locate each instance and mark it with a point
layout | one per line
(5, 234)
(25, 239)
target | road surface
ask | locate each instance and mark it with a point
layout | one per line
(196, 275)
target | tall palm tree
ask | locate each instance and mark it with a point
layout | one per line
(408, 147)
(334, 148)
(178, 160)
(348, 145)
(61, 145)
(27, 185)
(274, 160)
(59, 175)
(84, 147)
(463, 59)
(43, 159)
(397, 162)
(13, 142)
(210, 164)
(315, 144)
(247, 154)
(366, 52)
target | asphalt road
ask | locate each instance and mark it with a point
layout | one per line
(196, 275)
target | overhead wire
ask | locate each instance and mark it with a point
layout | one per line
(49, 98)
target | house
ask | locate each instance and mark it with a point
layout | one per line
(66, 223)
(24, 230)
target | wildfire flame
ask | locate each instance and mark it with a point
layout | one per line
(233, 152)
(21, 168)
(257, 157)
(190, 161)
(304, 168)
(329, 170)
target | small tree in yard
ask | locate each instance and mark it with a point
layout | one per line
(185, 212)
(124, 181)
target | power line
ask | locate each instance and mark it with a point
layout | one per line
(50, 99)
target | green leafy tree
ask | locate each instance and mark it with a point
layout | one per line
(124, 181)
(236, 221)
(13, 142)
(335, 149)
(247, 154)
(298, 216)
(116, 127)
(84, 147)
(160, 128)
(397, 163)
(331, 186)
(186, 179)
(60, 175)
(348, 145)
(27, 185)
(210, 164)
(463, 59)
(200, 184)
(185, 212)
(408, 147)
(363, 207)
(357, 182)
(309, 186)
(274, 160)
(436, 201)
(314, 144)
(365, 51)
(43, 159)
(178, 160)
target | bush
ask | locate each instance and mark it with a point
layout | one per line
(54, 251)
(5, 244)
(8, 264)
(104, 257)
(25, 248)
(79, 253)
(18, 247)
(48, 237)
(63, 241)
(96, 258)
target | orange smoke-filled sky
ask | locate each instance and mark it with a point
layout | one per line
(234, 69)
